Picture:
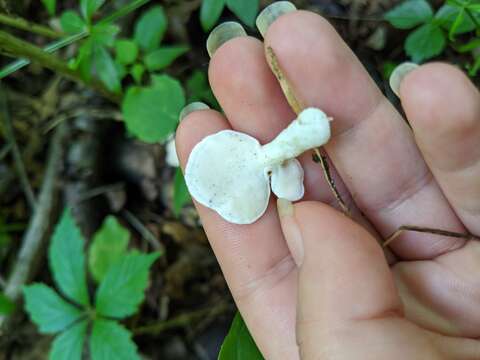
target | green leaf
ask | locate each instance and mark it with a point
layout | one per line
(50, 5)
(122, 289)
(181, 196)
(198, 89)
(452, 19)
(89, 7)
(151, 113)
(239, 344)
(6, 305)
(109, 245)
(71, 22)
(127, 51)
(161, 58)
(150, 28)
(67, 260)
(137, 72)
(106, 69)
(48, 310)
(83, 61)
(210, 12)
(469, 46)
(474, 68)
(409, 14)
(69, 344)
(111, 341)
(425, 42)
(104, 34)
(246, 10)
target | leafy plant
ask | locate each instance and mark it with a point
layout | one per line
(211, 10)
(239, 344)
(122, 276)
(434, 31)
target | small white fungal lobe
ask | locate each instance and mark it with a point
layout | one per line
(230, 172)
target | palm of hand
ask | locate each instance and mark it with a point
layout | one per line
(343, 301)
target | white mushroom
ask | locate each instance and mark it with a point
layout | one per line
(229, 171)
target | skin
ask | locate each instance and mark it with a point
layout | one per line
(345, 300)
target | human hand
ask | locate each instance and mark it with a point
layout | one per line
(325, 288)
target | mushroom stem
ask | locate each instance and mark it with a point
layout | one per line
(310, 130)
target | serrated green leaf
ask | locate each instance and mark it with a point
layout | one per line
(109, 244)
(181, 195)
(67, 260)
(151, 113)
(161, 58)
(111, 341)
(409, 14)
(6, 305)
(425, 42)
(137, 72)
(50, 5)
(71, 22)
(246, 10)
(89, 7)
(126, 51)
(448, 18)
(69, 344)
(48, 310)
(150, 28)
(210, 12)
(122, 289)
(106, 69)
(239, 344)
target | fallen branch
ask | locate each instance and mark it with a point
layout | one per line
(40, 222)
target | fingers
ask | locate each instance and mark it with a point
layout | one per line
(254, 258)
(343, 277)
(372, 147)
(443, 107)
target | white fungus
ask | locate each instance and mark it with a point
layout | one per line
(230, 172)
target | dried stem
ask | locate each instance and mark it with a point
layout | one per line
(19, 165)
(297, 107)
(427, 230)
(40, 222)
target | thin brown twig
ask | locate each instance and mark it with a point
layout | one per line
(17, 156)
(427, 230)
(297, 107)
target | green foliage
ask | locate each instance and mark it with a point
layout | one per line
(161, 58)
(181, 195)
(109, 244)
(67, 261)
(150, 29)
(71, 22)
(239, 344)
(123, 279)
(89, 7)
(106, 69)
(122, 288)
(6, 305)
(151, 113)
(48, 310)
(435, 30)
(111, 341)
(50, 5)
(211, 10)
(198, 89)
(126, 51)
(69, 344)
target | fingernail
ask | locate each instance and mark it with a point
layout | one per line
(398, 74)
(291, 230)
(272, 13)
(194, 106)
(223, 33)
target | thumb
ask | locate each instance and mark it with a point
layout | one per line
(344, 278)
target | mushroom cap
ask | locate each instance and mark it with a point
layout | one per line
(225, 172)
(287, 180)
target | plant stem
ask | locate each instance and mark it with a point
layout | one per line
(17, 156)
(10, 44)
(23, 24)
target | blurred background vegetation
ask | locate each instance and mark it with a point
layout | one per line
(86, 126)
